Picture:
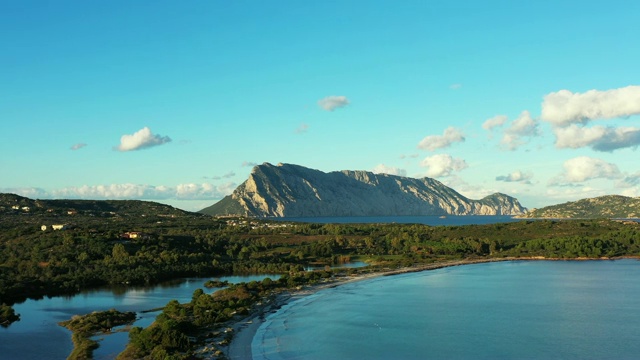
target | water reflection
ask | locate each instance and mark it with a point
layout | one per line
(38, 336)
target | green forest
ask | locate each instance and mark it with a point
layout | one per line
(144, 248)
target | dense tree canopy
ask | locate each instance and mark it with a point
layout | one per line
(145, 248)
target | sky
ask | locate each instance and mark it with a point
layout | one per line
(176, 101)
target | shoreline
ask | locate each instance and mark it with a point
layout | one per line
(246, 328)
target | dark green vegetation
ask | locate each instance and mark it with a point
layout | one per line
(610, 206)
(131, 242)
(7, 315)
(83, 327)
(92, 251)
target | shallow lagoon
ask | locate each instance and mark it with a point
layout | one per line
(38, 336)
(522, 309)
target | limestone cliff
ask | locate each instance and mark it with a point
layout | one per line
(288, 190)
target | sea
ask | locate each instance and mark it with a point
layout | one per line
(449, 220)
(502, 310)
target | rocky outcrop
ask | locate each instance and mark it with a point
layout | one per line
(288, 190)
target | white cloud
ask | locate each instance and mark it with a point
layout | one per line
(230, 174)
(197, 192)
(599, 138)
(494, 122)
(203, 191)
(333, 102)
(572, 193)
(564, 107)
(516, 176)
(384, 169)
(584, 168)
(302, 128)
(248, 164)
(78, 146)
(434, 142)
(442, 165)
(141, 139)
(455, 86)
(30, 192)
(631, 192)
(569, 113)
(523, 126)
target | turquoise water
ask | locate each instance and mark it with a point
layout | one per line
(507, 310)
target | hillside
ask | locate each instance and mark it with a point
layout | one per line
(15, 204)
(288, 190)
(610, 206)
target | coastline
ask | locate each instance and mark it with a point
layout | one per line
(245, 329)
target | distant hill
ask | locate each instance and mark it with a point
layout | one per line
(15, 204)
(610, 206)
(288, 190)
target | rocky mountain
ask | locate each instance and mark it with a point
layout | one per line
(610, 206)
(288, 190)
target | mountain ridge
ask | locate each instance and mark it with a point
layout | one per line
(288, 190)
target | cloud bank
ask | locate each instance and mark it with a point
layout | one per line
(141, 139)
(384, 169)
(203, 191)
(433, 142)
(333, 102)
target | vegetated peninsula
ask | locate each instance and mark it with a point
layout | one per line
(288, 190)
(16, 204)
(609, 206)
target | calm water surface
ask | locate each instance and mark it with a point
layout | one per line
(38, 336)
(427, 220)
(509, 310)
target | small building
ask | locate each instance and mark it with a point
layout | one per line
(135, 235)
(54, 227)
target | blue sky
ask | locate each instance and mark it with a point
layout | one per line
(176, 101)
